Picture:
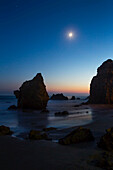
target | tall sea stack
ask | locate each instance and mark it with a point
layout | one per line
(101, 87)
(32, 94)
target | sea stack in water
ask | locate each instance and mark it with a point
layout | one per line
(101, 87)
(32, 94)
(58, 97)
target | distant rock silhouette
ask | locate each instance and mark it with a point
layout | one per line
(72, 98)
(32, 94)
(58, 97)
(101, 87)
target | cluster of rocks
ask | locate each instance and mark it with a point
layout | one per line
(58, 97)
(41, 135)
(62, 97)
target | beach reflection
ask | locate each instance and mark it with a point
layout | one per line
(32, 119)
(75, 118)
(23, 121)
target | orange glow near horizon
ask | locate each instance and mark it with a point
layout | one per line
(75, 89)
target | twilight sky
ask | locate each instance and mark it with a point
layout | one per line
(33, 38)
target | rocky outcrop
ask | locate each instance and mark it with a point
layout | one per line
(72, 98)
(4, 130)
(58, 97)
(101, 87)
(106, 141)
(79, 135)
(32, 94)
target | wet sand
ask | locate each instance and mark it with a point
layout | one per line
(16, 154)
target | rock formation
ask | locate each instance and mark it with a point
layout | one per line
(72, 98)
(4, 130)
(37, 135)
(101, 87)
(58, 97)
(78, 135)
(106, 141)
(32, 94)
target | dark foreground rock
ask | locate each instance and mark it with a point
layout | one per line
(105, 161)
(72, 98)
(79, 135)
(32, 94)
(101, 87)
(102, 160)
(12, 107)
(106, 141)
(58, 97)
(4, 130)
(37, 135)
(64, 113)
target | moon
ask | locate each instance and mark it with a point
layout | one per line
(70, 34)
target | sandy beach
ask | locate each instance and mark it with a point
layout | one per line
(47, 155)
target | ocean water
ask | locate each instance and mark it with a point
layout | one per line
(22, 122)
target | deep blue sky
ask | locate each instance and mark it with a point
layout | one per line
(33, 38)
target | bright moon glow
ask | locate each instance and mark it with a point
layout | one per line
(70, 34)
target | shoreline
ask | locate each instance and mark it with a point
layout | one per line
(26, 154)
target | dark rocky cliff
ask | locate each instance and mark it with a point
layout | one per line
(101, 87)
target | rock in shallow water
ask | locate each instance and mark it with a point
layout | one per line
(79, 135)
(32, 94)
(101, 87)
(64, 113)
(73, 98)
